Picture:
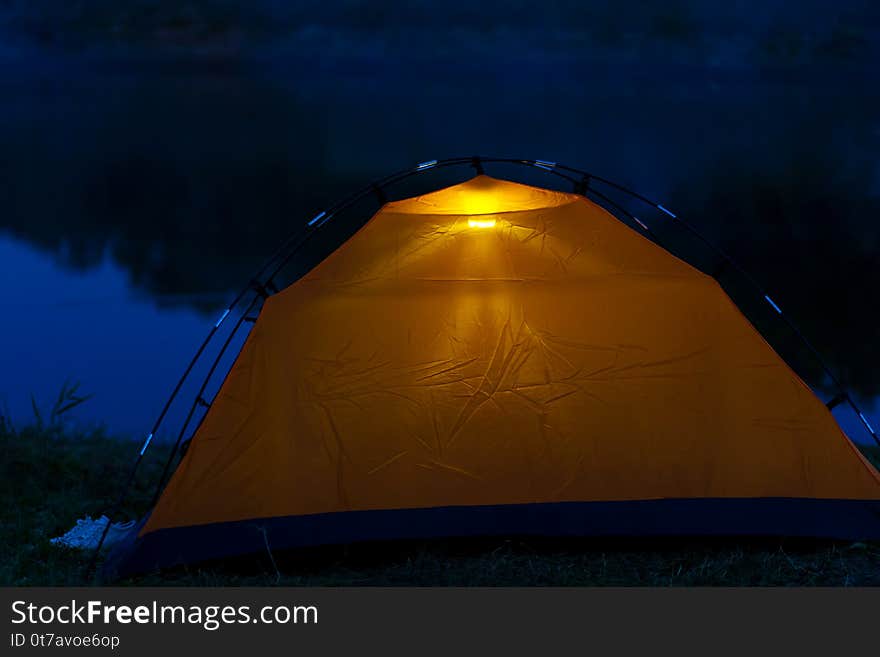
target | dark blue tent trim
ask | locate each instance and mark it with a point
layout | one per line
(792, 517)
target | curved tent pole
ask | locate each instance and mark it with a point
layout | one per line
(261, 287)
(375, 187)
(163, 413)
(319, 220)
(199, 395)
(629, 215)
(843, 394)
(280, 251)
(176, 390)
(314, 224)
(157, 423)
(311, 228)
(287, 250)
(130, 480)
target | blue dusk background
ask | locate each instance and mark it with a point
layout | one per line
(153, 153)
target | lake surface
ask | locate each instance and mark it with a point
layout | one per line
(140, 187)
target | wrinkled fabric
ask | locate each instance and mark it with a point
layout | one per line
(494, 343)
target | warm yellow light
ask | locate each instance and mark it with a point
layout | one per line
(481, 223)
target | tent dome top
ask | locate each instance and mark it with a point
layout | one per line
(482, 195)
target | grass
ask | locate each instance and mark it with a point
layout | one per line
(52, 476)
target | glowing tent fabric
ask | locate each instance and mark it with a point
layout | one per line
(495, 358)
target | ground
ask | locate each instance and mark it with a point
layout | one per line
(52, 476)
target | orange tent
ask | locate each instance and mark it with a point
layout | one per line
(496, 358)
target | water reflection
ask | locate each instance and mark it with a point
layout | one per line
(145, 183)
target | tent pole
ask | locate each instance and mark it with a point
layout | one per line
(627, 214)
(117, 507)
(261, 290)
(199, 397)
(729, 260)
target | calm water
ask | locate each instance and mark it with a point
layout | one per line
(139, 187)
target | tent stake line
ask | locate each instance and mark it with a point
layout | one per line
(293, 243)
